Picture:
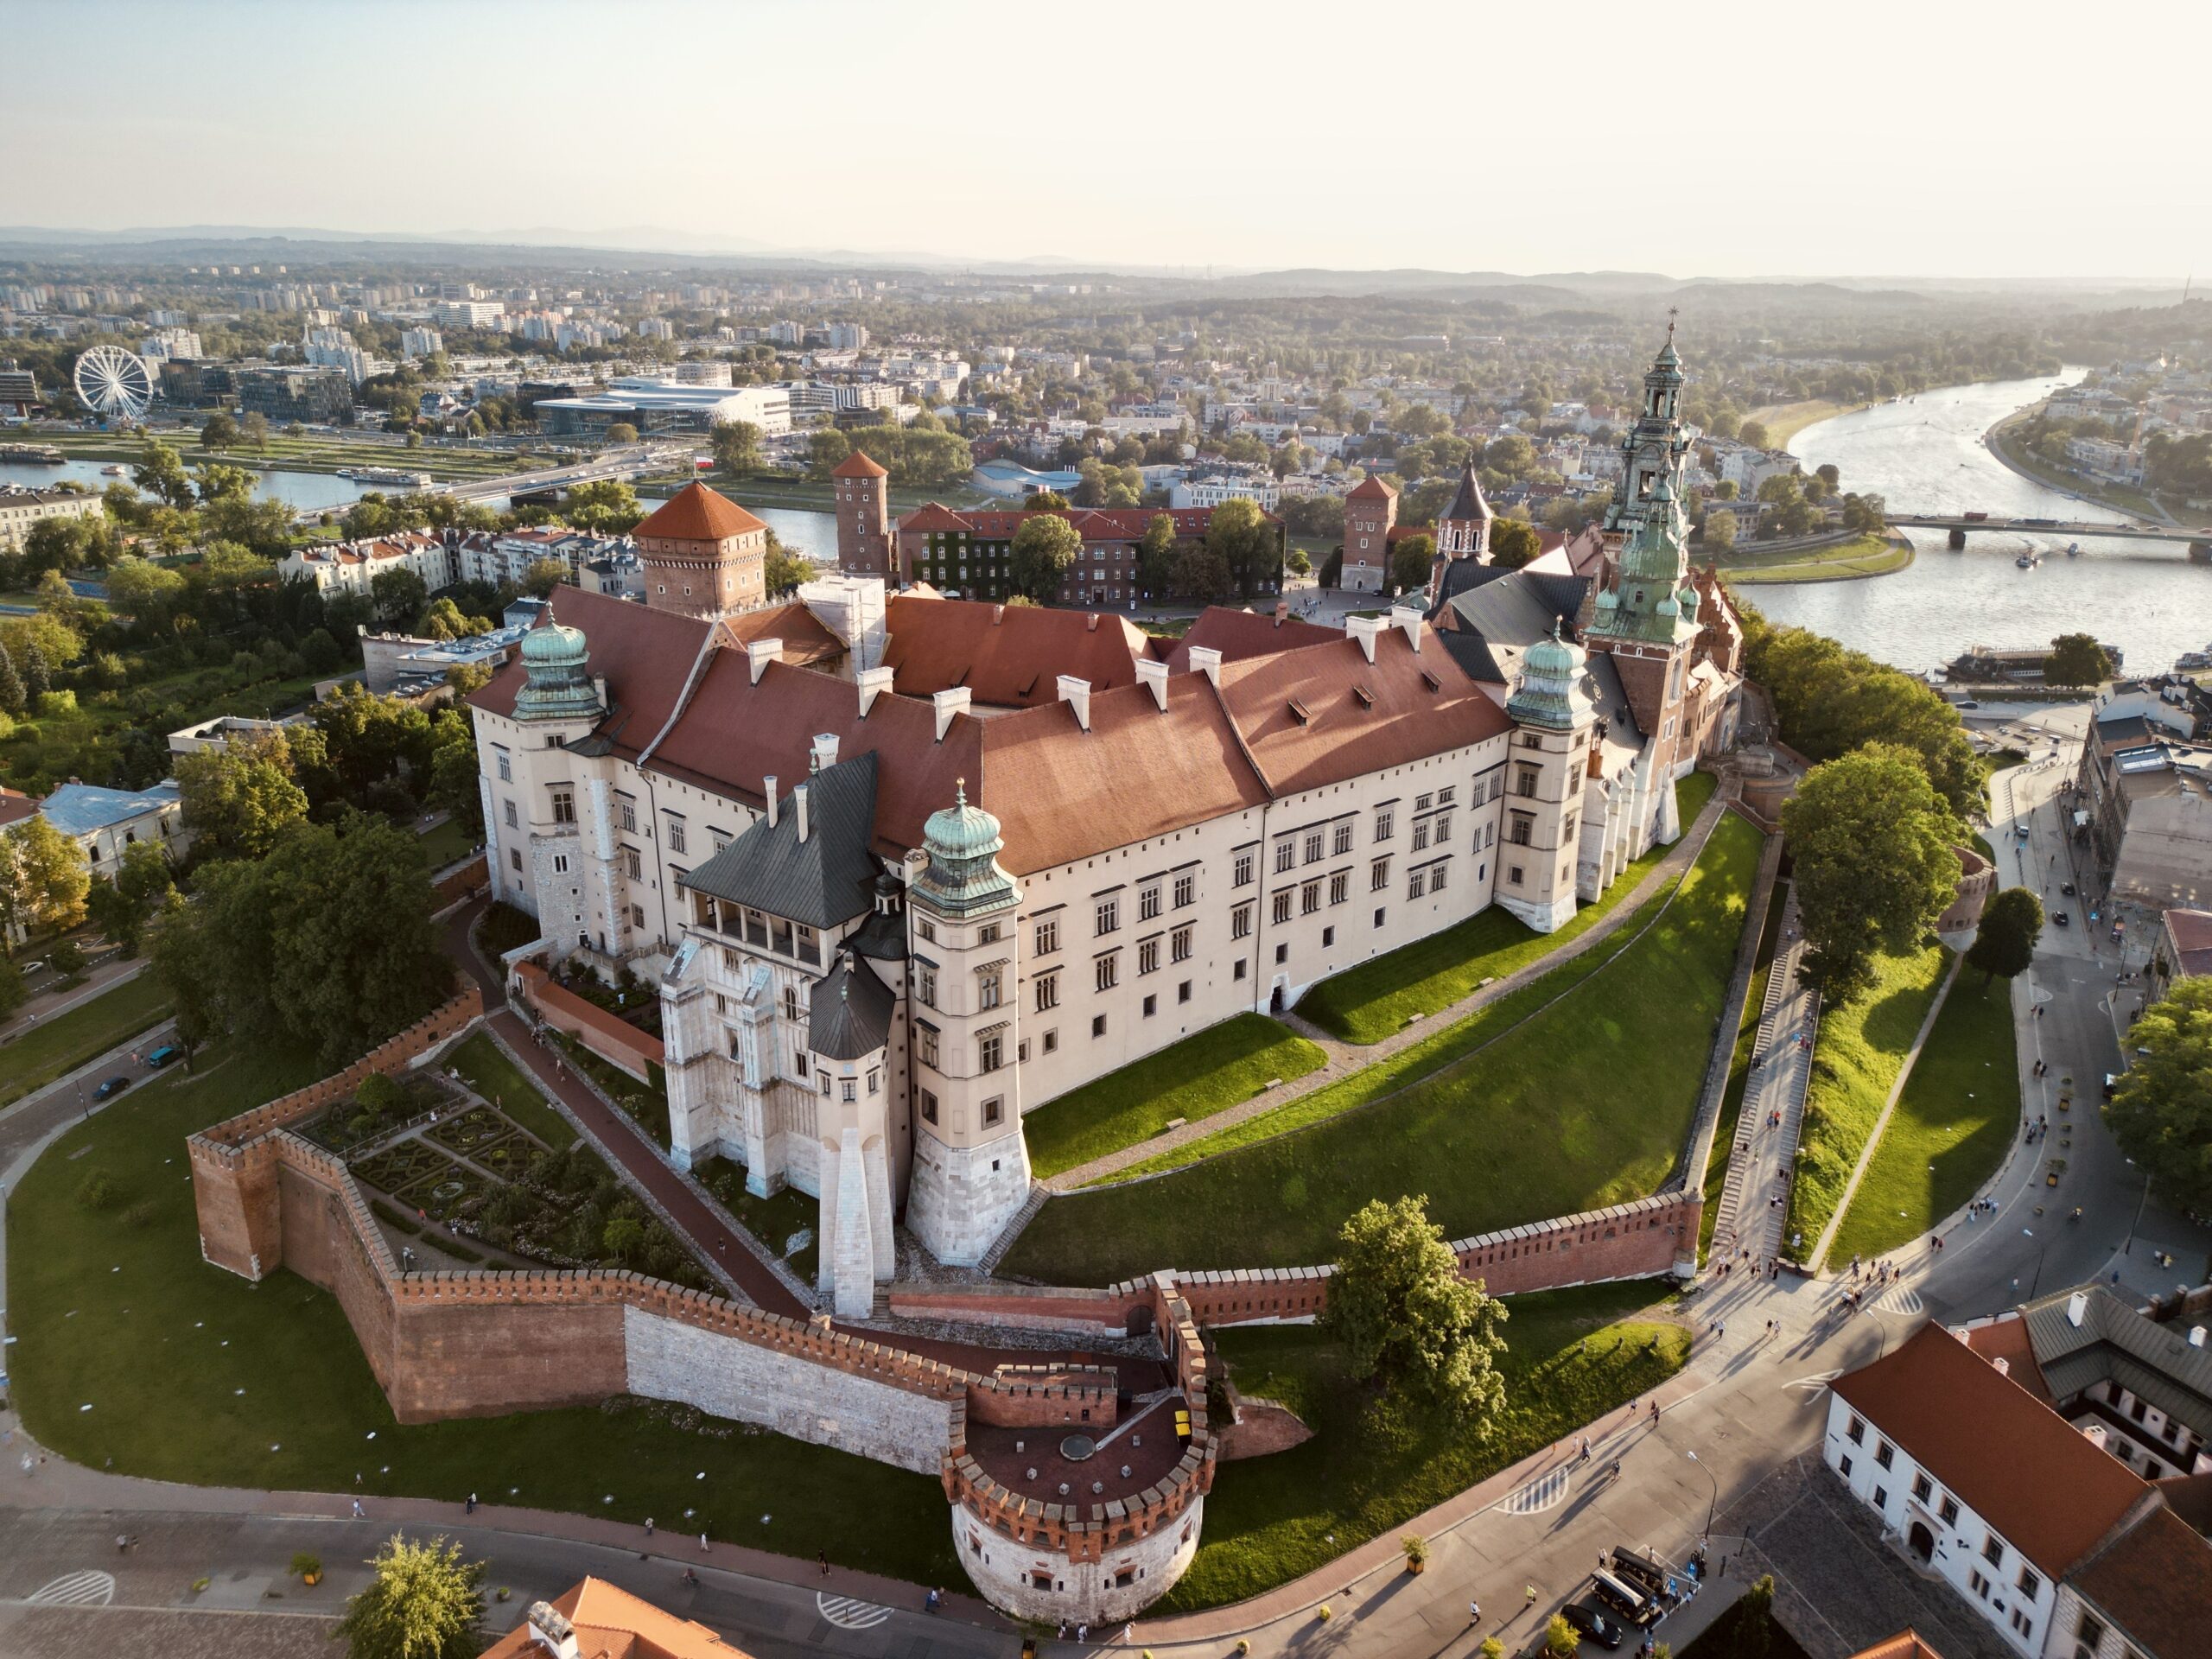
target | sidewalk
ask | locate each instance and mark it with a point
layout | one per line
(1346, 1059)
(46, 1004)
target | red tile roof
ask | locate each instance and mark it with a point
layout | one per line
(695, 513)
(1239, 634)
(1358, 717)
(2006, 1338)
(2001, 1452)
(16, 806)
(612, 1624)
(1061, 794)
(1907, 1644)
(1093, 523)
(857, 465)
(805, 640)
(2191, 932)
(1373, 490)
(1007, 656)
(2155, 1582)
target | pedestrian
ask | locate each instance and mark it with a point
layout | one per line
(1474, 1612)
(702, 1544)
(358, 1512)
(1082, 1634)
(823, 1557)
(649, 1526)
(1128, 1633)
(472, 1505)
(1532, 1595)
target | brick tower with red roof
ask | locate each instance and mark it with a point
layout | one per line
(863, 516)
(703, 555)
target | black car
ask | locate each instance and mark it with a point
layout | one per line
(2066, 887)
(2062, 918)
(111, 1088)
(1592, 1625)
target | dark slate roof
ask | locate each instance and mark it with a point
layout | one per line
(883, 936)
(824, 881)
(1468, 503)
(850, 1016)
(1495, 614)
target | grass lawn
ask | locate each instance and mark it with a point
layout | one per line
(448, 843)
(57, 1046)
(1553, 1109)
(1194, 1078)
(1367, 1003)
(1863, 556)
(193, 1374)
(775, 1220)
(486, 1070)
(1739, 1069)
(1368, 1469)
(1959, 1112)
(1856, 1058)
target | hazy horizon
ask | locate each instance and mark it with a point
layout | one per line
(1736, 142)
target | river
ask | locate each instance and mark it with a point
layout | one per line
(814, 534)
(1927, 456)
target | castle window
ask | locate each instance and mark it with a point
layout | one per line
(564, 807)
(848, 1090)
(1524, 780)
(1106, 972)
(1178, 945)
(1566, 829)
(1186, 891)
(633, 863)
(1053, 1041)
(1341, 844)
(925, 1044)
(675, 834)
(1286, 855)
(1183, 992)
(1340, 886)
(1281, 913)
(926, 987)
(791, 1003)
(1097, 1025)
(512, 823)
(988, 933)
(990, 1053)
(507, 766)
(1420, 803)
(1378, 875)
(1108, 915)
(1513, 875)
(1048, 992)
(1151, 1007)
(1239, 972)
(560, 863)
(1242, 875)
(990, 986)
(1414, 882)
(1520, 828)
(1420, 834)
(1385, 820)
(780, 936)
(1309, 898)
(1148, 901)
(1444, 796)
(1148, 955)
(994, 1110)
(1048, 936)
(1312, 846)
(825, 1076)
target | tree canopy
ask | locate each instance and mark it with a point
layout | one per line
(2077, 660)
(1410, 562)
(43, 879)
(1872, 843)
(1513, 543)
(1045, 548)
(1408, 1318)
(2162, 1115)
(425, 1601)
(2005, 941)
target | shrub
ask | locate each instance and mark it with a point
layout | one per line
(97, 1190)
(381, 1094)
(140, 1214)
(306, 1566)
(65, 959)
(57, 705)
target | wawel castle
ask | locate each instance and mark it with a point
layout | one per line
(905, 867)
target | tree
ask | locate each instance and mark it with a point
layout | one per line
(398, 593)
(159, 471)
(1408, 1318)
(1240, 535)
(254, 430)
(1156, 556)
(425, 1601)
(1872, 843)
(541, 576)
(1561, 1638)
(1045, 548)
(453, 769)
(1046, 501)
(2077, 660)
(220, 433)
(121, 908)
(443, 620)
(1201, 572)
(1752, 435)
(216, 481)
(736, 446)
(1410, 562)
(1513, 543)
(240, 798)
(2006, 942)
(621, 432)
(1719, 531)
(606, 505)
(43, 879)
(825, 450)
(145, 592)
(2162, 1115)
(12, 700)
(783, 570)
(1754, 1620)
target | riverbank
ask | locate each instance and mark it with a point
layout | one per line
(1846, 561)
(298, 454)
(1783, 422)
(2015, 458)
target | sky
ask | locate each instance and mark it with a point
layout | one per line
(1941, 137)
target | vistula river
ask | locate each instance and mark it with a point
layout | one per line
(1927, 456)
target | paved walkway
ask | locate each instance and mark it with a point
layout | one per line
(40, 1009)
(1754, 1203)
(1344, 1059)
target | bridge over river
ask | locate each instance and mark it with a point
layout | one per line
(1958, 524)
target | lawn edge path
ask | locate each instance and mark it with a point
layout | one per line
(1819, 1256)
(1347, 1059)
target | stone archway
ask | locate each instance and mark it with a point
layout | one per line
(1921, 1542)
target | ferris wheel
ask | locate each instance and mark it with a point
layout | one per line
(115, 382)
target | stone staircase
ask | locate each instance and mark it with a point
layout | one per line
(1038, 1193)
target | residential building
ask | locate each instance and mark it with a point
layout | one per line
(354, 567)
(1212, 486)
(310, 394)
(165, 343)
(334, 348)
(2183, 950)
(1996, 1458)
(20, 508)
(2142, 804)
(1749, 468)
(469, 314)
(592, 1619)
(18, 389)
(420, 342)
(504, 557)
(969, 551)
(105, 821)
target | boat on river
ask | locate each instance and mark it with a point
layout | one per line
(2029, 561)
(2073, 549)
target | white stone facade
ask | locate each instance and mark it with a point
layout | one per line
(1032, 1582)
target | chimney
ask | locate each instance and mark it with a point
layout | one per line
(2004, 1366)
(768, 788)
(1207, 661)
(948, 704)
(1367, 630)
(599, 688)
(2197, 1335)
(548, 1629)
(1152, 674)
(2077, 1307)
(1408, 617)
(1077, 693)
(2095, 1434)
(825, 752)
(759, 653)
(798, 801)
(873, 683)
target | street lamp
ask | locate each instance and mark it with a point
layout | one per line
(1714, 1503)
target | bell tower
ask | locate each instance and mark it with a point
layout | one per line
(1653, 449)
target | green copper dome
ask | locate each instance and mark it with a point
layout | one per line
(556, 669)
(963, 875)
(1550, 694)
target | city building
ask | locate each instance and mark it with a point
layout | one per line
(354, 567)
(310, 394)
(18, 388)
(331, 348)
(504, 557)
(2141, 810)
(702, 554)
(863, 509)
(105, 821)
(891, 913)
(399, 663)
(420, 342)
(592, 1619)
(224, 730)
(1210, 487)
(469, 314)
(2184, 951)
(665, 406)
(164, 343)
(969, 551)
(2001, 1458)
(20, 508)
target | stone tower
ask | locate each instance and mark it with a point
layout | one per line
(1370, 511)
(703, 555)
(848, 1038)
(863, 516)
(1464, 530)
(1544, 786)
(971, 1168)
(1648, 622)
(549, 800)
(1653, 449)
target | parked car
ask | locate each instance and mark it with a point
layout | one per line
(1592, 1626)
(2111, 1084)
(111, 1088)
(2062, 918)
(167, 1054)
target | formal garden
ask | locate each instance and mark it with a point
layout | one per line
(1575, 1091)
(134, 1350)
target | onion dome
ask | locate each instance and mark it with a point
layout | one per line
(1550, 695)
(963, 844)
(556, 669)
